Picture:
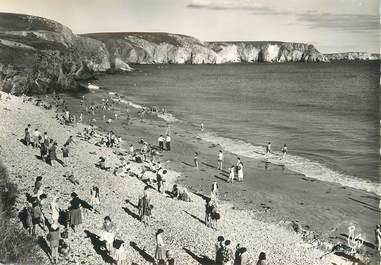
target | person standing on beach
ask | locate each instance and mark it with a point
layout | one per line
(168, 142)
(131, 149)
(95, 198)
(80, 117)
(202, 126)
(214, 190)
(268, 150)
(284, 152)
(220, 159)
(240, 172)
(160, 180)
(65, 151)
(219, 246)
(27, 138)
(195, 159)
(36, 135)
(160, 248)
(231, 174)
(53, 155)
(75, 211)
(161, 142)
(378, 237)
(144, 206)
(54, 237)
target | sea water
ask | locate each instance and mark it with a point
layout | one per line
(326, 113)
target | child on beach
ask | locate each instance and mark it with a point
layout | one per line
(36, 135)
(120, 254)
(27, 138)
(195, 159)
(220, 160)
(231, 174)
(95, 199)
(108, 234)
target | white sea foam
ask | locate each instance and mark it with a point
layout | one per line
(307, 167)
(168, 117)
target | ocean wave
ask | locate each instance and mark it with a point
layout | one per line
(307, 167)
(168, 117)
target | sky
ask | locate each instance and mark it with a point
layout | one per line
(331, 25)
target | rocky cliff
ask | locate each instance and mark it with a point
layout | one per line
(38, 55)
(352, 56)
(158, 47)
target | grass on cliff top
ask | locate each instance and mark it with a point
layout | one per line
(23, 22)
(155, 37)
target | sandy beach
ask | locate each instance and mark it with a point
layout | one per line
(252, 213)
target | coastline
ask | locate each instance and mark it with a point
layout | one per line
(282, 245)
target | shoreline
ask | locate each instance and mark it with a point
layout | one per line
(282, 245)
(278, 195)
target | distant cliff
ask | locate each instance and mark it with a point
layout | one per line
(352, 56)
(157, 47)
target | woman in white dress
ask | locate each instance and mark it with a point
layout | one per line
(240, 172)
(108, 234)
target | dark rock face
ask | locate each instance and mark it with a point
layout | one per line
(38, 56)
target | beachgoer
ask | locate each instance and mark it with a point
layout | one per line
(168, 142)
(170, 258)
(220, 159)
(228, 256)
(53, 155)
(214, 190)
(131, 149)
(54, 237)
(69, 140)
(240, 172)
(81, 117)
(120, 253)
(268, 150)
(95, 199)
(195, 159)
(262, 259)
(144, 206)
(378, 237)
(160, 180)
(27, 138)
(208, 214)
(65, 151)
(284, 152)
(36, 135)
(38, 186)
(231, 174)
(202, 126)
(29, 217)
(55, 210)
(36, 216)
(160, 247)
(219, 246)
(75, 211)
(108, 234)
(161, 142)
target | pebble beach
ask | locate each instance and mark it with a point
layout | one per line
(184, 230)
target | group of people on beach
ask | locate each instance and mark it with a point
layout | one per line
(38, 208)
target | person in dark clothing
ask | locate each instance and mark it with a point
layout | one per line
(160, 180)
(53, 155)
(75, 214)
